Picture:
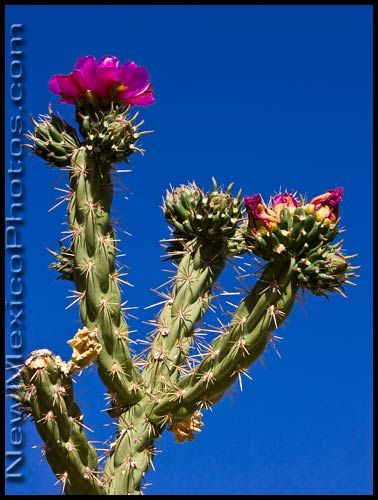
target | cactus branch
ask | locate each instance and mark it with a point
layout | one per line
(94, 273)
(189, 300)
(59, 422)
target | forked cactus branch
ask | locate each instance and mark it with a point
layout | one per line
(165, 386)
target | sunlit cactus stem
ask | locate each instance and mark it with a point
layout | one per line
(59, 421)
(95, 275)
(178, 374)
(202, 225)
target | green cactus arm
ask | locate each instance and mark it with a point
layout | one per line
(190, 297)
(204, 225)
(132, 453)
(95, 275)
(230, 353)
(59, 422)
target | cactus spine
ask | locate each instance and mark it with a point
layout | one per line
(165, 386)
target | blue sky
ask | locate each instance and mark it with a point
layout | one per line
(265, 96)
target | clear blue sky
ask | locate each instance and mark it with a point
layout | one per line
(268, 97)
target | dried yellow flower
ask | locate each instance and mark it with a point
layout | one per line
(85, 348)
(183, 431)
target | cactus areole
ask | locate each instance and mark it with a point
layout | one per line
(175, 379)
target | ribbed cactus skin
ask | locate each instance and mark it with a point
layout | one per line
(132, 453)
(189, 300)
(95, 274)
(59, 422)
(164, 387)
(203, 224)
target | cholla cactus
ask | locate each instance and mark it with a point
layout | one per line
(164, 387)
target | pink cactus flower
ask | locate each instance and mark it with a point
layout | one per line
(285, 199)
(326, 206)
(332, 198)
(259, 214)
(105, 80)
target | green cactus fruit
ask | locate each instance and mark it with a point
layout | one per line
(325, 269)
(110, 136)
(54, 139)
(207, 217)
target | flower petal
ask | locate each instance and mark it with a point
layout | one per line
(83, 61)
(135, 77)
(108, 62)
(65, 86)
(85, 73)
(144, 99)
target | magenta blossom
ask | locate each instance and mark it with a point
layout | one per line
(105, 80)
(286, 200)
(331, 198)
(258, 211)
(326, 205)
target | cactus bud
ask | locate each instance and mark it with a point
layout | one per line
(287, 227)
(326, 206)
(211, 217)
(65, 263)
(324, 270)
(54, 139)
(110, 135)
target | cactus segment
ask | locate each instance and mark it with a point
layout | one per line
(59, 422)
(132, 453)
(95, 275)
(189, 300)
